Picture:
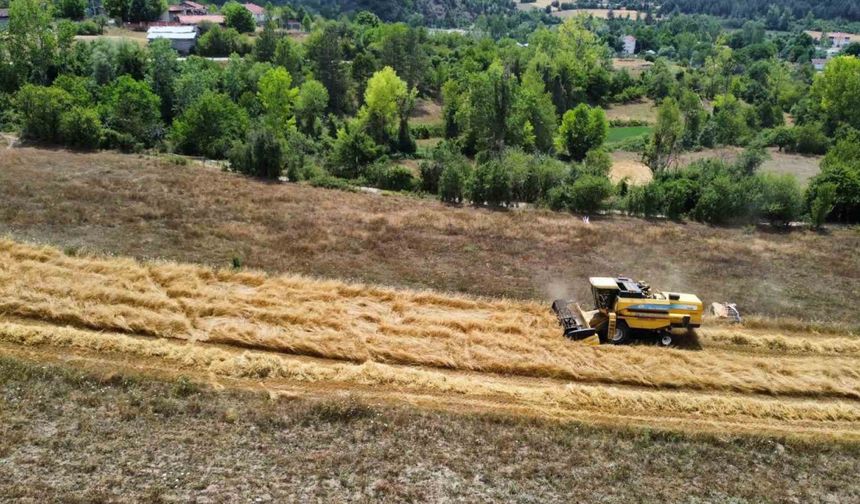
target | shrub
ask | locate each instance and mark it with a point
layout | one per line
(718, 201)
(238, 17)
(644, 200)
(491, 184)
(89, 27)
(262, 155)
(811, 139)
(221, 42)
(598, 162)
(353, 151)
(39, 109)
(589, 192)
(391, 177)
(822, 204)
(210, 126)
(133, 109)
(81, 127)
(679, 197)
(453, 182)
(781, 199)
(328, 181)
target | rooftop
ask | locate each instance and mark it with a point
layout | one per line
(254, 8)
(208, 18)
(172, 32)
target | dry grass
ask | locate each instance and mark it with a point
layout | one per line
(426, 112)
(636, 111)
(629, 165)
(361, 323)
(802, 167)
(148, 208)
(113, 437)
(635, 67)
(600, 13)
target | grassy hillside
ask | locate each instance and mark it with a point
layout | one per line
(144, 208)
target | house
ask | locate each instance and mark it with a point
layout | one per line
(182, 38)
(257, 12)
(629, 45)
(819, 63)
(199, 19)
(833, 52)
(4, 17)
(294, 25)
(171, 15)
(839, 40)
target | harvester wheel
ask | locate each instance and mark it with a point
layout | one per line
(621, 335)
(666, 339)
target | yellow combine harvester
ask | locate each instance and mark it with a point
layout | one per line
(624, 308)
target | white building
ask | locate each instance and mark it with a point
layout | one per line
(629, 45)
(182, 38)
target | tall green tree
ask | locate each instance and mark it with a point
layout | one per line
(582, 129)
(385, 91)
(133, 109)
(239, 18)
(277, 96)
(210, 126)
(162, 75)
(311, 104)
(325, 52)
(666, 139)
(838, 89)
(31, 39)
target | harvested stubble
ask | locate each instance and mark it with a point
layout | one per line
(361, 323)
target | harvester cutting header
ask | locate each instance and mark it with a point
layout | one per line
(624, 308)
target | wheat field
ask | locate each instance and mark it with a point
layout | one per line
(288, 328)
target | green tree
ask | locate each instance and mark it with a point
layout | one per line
(210, 126)
(162, 75)
(453, 181)
(353, 151)
(582, 129)
(133, 109)
(72, 9)
(31, 40)
(403, 49)
(81, 127)
(325, 53)
(277, 97)
(838, 89)
(40, 109)
(666, 138)
(491, 184)
(781, 198)
(221, 42)
(385, 91)
(267, 43)
(311, 104)
(236, 16)
(289, 55)
(535, 105)
(261, 155)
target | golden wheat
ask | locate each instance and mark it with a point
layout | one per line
(359, 323)
(535, 394)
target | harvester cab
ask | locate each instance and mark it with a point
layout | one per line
(624, 308)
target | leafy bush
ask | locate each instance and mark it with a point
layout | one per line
(811, 139)
(327, 181)
(133, 109)
(353, 151)
(39, 109)
(81, 127)
(89, 27)
(453, 182)
(261, 155)
(491, 184)
(645, 200)
(391, 177)
(679, 197)
(589, 192)
(718, 202)
(781, 198)
(822, 204)
(221, 42)
(210, 126)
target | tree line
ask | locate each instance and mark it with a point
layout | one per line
(521, 122)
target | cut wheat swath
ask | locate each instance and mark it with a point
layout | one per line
(360, 323)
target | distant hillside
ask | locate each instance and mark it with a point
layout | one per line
(745, 9)
(429, 12)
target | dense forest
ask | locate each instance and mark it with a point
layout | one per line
(522, 119)
(751, 9)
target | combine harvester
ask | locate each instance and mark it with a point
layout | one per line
(625, 309)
